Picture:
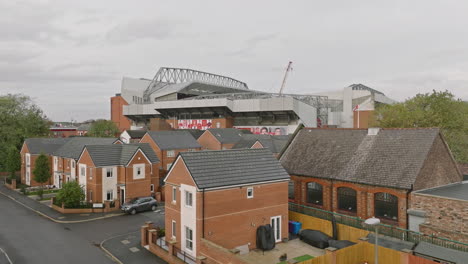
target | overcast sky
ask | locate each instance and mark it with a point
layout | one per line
(70, 56)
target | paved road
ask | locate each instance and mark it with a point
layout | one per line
(27, 237)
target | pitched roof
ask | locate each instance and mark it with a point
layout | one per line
(441, 253)
(136, 133)
(274, 143)
(228, 135)
(174, 139)
(73, 148)
(392, 158)
(44, 145)
(84, 127)
(196, 133)
(118, 154)
(224, 168)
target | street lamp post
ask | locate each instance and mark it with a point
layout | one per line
(375, 222)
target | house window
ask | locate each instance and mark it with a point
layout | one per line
(139, 171)
(188, 198)
(109, 172)
(83, 171)
(386, 206)
(90, 174)
(250, 192)
(188, 238)
(291, 190)
(174, 194)
(169, 166)
(347, 199)
(55, 160)
(90, 196)
(174, 229)
(73, 164)
(28, 160)
(152, 187)
(314, 193)
(170, 153)
(110, 195)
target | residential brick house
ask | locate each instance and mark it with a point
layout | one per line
(441, 211)
(274, 143)
(221, 138)
(64, 159)
(168, 144)
(224, 196)
(132, 136)
(118, 172)
(367, 172)
(31, 149)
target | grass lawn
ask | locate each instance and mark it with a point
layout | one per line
(298, 259)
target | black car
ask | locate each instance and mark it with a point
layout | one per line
(139, 204)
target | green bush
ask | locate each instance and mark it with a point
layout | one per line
(71, 195)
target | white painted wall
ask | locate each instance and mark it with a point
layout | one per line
(82, 178)
(73, 170)
(28, 169)
(109, 183)
(188, 217)
(125, 137)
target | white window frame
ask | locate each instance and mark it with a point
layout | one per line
(111, 170)
(188, 199)
(55, 161)
(174, 229)
(72, 164)
(83, 171)
(90, 173)
(91, 195)
(111, 192)
(141, 168)
(188, 241)
(174, 195)
(152, 187)
(170, 153)
(28, 160)
(251, 190)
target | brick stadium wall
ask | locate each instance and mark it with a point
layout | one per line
(444, 217)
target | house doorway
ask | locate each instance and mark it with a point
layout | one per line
(276, 225)
(122, 195)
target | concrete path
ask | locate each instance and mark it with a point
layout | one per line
(47, 212)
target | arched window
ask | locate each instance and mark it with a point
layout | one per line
(347, 199)
(386, 206)
(291, 190)
(314, 193)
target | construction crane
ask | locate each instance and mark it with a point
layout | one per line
(285, 77)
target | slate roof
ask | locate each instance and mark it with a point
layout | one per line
(84, 127)
(196, 133)
(136, 133)
(73, 148)
(173, 139)
(392, 158)
(456, 190)
(224, 168)
(228, 135)
(45, 145)
(118, 154)
(441, 253)
(274, 143)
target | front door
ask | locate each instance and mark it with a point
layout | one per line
(122, 196)
(276, 225)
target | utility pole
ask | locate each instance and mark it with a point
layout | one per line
(285, 77)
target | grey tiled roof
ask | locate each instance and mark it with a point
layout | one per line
(45, 145)
(442, 253)
(196, 133)
(456, 190)
(174, 139)
(223, 168)
(74, 147)
(393, 157)
(274, 143)
(228, 135)
(118, 154)
(136, 133)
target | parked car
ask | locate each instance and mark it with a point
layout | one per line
(139, 204)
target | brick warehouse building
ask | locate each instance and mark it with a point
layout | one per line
(224, 196)
(367, 172)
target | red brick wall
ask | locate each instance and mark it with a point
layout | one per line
(122, 122)
(208, 141)
(439, 168)
(25, 150)
(444, 217)
(138, 187)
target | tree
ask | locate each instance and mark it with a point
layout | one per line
(103, 128)
(71, 195)
(42, 171)
(13, 162)
(20, 118)
(436, 109)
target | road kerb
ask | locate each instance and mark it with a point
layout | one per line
(108, 252)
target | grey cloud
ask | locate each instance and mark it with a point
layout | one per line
(143, 29)
(252, 43)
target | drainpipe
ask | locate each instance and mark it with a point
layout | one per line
(203, 215)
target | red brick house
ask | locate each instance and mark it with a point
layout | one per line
(367, 172)
(118, 172)
(168, 144)
(31, 149)
(65, 158)
(274, 143)
(221, 138)
(223, 197)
